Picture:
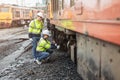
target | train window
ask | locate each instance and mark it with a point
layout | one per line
(62, 4)
(26, 13)
(4, 9)
(55, 5)
(17, 13)
(67, 3)
(72, 3)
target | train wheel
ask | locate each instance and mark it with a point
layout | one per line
(14, 24)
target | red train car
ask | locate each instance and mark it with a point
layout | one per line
(90, 30)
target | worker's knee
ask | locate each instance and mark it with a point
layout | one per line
(49, 51)
(46, 53)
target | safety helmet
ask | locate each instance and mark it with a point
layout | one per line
(40, 14)
(46, 32)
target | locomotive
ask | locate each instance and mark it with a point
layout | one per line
(13, 15)
(90, 31)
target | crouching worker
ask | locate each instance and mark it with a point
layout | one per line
(43, 48)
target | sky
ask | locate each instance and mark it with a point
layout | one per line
(30, 3)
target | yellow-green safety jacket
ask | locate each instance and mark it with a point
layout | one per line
(43, 45)
(35, 26)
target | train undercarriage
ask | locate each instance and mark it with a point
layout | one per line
(21, 22)
(14, 23)
(95, 59)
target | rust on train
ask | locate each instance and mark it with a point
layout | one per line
(90, 31)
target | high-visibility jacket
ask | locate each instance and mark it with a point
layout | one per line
(35, 26)
(43, 45)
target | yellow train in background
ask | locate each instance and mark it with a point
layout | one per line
(13, 16)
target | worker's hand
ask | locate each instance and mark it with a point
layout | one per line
(58, 46)
(53, 42)
(30, 39)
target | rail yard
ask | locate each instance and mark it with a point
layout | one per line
(17, 63)
(85, 35)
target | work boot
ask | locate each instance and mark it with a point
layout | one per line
(38, 62)
(34, 60)
(46, 60)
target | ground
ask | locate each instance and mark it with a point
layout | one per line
(22, 66)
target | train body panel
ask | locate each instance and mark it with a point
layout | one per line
(102, 17)
(96, 38)
(105, 31)
(97, 60)
(6, 16)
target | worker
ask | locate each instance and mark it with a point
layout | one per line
(35, 29)
(43, 48)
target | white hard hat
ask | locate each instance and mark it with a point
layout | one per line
(40, 14)
(46, 32)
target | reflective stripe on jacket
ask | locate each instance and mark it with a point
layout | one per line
(35, 26)
(43, 45)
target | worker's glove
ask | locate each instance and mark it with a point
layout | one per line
(58, 46)
(30, 39)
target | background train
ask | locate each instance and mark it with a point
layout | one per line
(90, 31)
(13, 16)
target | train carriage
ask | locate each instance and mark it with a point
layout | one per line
(90, 30)
(13, 16)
